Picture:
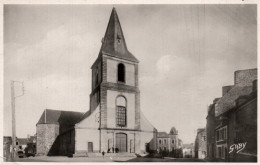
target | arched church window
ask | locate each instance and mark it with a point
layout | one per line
(121, 111)
(121, 73)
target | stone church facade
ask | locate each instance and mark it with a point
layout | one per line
(114, 121)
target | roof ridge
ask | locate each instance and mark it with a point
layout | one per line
(64, 111)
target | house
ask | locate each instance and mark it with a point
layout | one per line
(210, 131)
(169, 142)
(235, 121)
(200, 144)
(114, 122)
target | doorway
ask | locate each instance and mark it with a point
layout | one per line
(90, 146)
(121, 142)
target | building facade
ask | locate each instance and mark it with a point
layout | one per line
(210, 131)
(200, 144)
(169, 143)
(114, 122)
(235, 120)
(188, 150)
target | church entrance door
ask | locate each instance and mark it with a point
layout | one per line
(121, 142)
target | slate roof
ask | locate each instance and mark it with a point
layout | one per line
(113, 44)
(162, 135)
(60, 117)
(228, 101)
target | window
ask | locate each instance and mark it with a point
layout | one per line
(222, 133)
(221, 151)
(164, 148)
(121, 73)
(164, 141)
(160, 142)
(172, 141)
(121, 111)
(16, 143)
(225, 133)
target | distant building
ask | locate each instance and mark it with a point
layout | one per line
(235, 120)
(7, 147)
(180, 143)
(169, 142)
(188, 150)
(210, 131)
(200, 144)
(163, 141)
(21, 143)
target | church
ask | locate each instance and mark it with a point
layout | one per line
(114, 122)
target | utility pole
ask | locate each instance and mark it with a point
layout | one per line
(100, 128)
(13, 120)
(13, 116)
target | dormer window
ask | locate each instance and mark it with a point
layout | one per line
(121, 73)
(118, 39)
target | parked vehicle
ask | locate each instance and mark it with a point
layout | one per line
(21, 154)
(30, 149)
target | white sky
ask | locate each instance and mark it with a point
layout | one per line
(186, 53)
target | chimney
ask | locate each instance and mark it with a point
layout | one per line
(245, 77)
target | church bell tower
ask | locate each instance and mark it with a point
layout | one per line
(115, 90)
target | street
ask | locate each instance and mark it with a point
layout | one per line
(105, 159)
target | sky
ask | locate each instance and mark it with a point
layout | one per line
(186, 53)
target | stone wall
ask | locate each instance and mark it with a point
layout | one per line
(200, 144)
(46, 135)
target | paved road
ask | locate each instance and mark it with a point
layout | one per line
(100, 159)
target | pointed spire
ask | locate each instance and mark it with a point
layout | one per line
(113, 43)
